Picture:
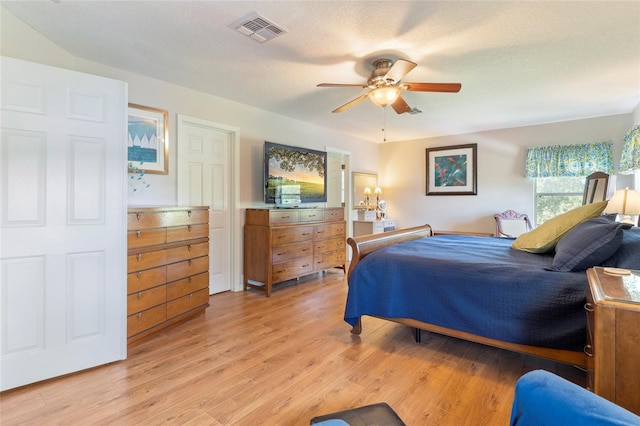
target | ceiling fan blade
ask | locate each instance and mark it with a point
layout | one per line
(432, 87)
(350, 103)
(400, 106)
(341, 85)
(399, 69)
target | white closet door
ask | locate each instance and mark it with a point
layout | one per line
(62, 222)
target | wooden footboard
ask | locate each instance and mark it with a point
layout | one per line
(364, 245)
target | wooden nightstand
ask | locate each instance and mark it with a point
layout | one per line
(613, 337)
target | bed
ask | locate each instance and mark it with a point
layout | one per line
(470, 287)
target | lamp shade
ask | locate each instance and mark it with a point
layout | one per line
(378, 190)
(625, 202)
(383, 96)
(367, 191)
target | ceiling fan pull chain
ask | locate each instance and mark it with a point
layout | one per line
(384, 124)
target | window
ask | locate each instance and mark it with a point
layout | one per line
(557, 195)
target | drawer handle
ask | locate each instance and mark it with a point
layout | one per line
(588, 307)
(139, 295)
(189, 213)
(190, 280)
(139, 256)
(312, 215)
(280, 254)
(138, 215)
(320, 232)
(189, 247)
(588, 349)
(139, 274)
(303, 250)
(305, 234)
(139, 316)
(189, 262)
(190, 294)
(189, 228)
(306, 265)
(138, 233)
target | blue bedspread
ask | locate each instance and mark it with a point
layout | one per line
(473, 284)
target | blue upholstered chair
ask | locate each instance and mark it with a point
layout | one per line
(544, 399)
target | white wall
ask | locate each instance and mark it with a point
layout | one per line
(502, 183)
(256, 126)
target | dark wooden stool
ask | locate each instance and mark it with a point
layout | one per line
(377, 414)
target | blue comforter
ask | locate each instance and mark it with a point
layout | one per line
(473, 284)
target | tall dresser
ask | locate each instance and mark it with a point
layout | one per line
(168, 267)
(282, 244)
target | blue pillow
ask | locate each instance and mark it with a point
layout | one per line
(588, 244)
(628, 255)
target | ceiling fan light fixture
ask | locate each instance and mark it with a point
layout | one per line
(383, 96)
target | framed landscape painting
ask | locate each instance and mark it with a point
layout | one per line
(148, 139)
(452, 170)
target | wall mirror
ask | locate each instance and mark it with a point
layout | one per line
(360, 182)
(595, 188)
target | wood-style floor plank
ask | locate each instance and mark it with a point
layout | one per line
(251, 360)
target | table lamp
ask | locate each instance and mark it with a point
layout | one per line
(367, 193)
(625, 202)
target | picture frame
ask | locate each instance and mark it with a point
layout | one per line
(452, 170)
(147, 139)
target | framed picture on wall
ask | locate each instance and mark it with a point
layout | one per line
(148, 139)
(452, 170)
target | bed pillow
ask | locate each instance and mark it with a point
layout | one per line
(545, 237)
(587, 244)
(628, 255)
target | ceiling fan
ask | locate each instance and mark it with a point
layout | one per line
(386, 87)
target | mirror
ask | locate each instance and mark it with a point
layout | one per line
(595, 188)
(360, 182)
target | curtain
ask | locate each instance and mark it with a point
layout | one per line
(630, 160)
(569, 160)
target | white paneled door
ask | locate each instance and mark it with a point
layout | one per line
(62, 222)
(204, 179)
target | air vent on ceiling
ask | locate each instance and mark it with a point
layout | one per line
(414, 111)
(258, 28)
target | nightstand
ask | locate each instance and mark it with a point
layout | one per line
(613, 337)
(366, 227)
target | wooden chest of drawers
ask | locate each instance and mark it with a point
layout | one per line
(168, 267)
(613, 337)
(281, 244)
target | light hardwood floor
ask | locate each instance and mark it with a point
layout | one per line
(252, 360)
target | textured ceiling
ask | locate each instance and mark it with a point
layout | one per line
(519, 62)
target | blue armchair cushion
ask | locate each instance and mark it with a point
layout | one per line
(542, 398)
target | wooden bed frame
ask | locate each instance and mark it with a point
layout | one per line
(364, 245)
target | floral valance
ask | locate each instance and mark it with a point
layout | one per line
(630, 160)
(569, 160)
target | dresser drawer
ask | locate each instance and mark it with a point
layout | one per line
(188, 285)
(328, 231)
(329, 260)
(145, 220)
(187, 252)
(287, 235)
(146, 237)
(334, 214)
(141, 321)
(295, 268)
(332, 244)
(142, 280)
(175, 271)
(146, 299)
(186, 217)
(311, 215)
(280, 217)
(187, 303)
(137, 262)
(188, 232)
(291, 251)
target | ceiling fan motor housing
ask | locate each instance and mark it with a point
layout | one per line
(377, 77)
